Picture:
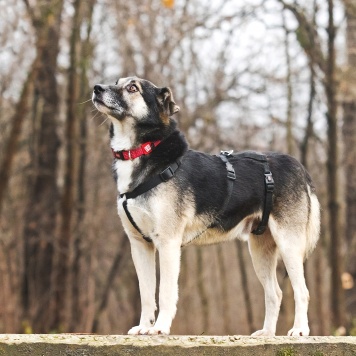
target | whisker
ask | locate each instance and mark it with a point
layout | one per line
(95, 116)
(84, 102)
(104, 121)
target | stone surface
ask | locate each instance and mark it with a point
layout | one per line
(110, 345)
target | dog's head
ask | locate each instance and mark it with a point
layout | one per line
(135, 98)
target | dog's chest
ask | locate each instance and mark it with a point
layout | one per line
(123, 170)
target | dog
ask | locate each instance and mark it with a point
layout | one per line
(171, 196)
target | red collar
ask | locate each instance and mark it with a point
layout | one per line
(145, 149)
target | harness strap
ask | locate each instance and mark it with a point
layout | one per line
(230, 175)
(269, 188)
(144, 187)
(132, 221)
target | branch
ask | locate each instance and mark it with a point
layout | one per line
(307, 36)
(30, 10)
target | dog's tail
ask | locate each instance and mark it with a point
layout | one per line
(313, 226)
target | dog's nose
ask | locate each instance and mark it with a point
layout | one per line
(98, 89)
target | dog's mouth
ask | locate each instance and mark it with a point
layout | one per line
(103, 107)
(98, 102)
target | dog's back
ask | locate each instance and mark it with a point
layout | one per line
(202, 182)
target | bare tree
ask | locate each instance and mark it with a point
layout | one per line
(71, 168)
(336, 258)
(41, 210)
(311, 43)
(86, 53)
(349, 136)
(22, 108)
(245, 286)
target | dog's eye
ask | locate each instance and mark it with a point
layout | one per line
(132, 88)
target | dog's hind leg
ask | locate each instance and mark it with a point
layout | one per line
(292, 247)
(143, 255)
(264, 256)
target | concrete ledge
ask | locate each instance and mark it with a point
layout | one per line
(110, 345)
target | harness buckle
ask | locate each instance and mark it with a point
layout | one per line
(117, 154)
(230, 171)
(269, 182)
(224, 155)
(167, 174)
(231, 175)
(227, 153)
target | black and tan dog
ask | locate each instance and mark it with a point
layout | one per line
(171, 196)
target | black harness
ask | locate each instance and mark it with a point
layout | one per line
(169, 172)
(269, 188)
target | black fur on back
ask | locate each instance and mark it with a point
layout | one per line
(205, 176)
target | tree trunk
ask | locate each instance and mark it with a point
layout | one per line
(78, 280)
(336, 259)
(17, 119)
(68, 198)
(304, 147)
(204, 300)
(289, 118)
(310, 42)
(349, 135)
(244, 286)
(224, 290)
(113, 273)
(41, 211)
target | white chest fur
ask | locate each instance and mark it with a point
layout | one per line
(123, 139)
(124, 171)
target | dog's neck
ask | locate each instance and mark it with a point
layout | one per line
(122, 135)
(131, 173)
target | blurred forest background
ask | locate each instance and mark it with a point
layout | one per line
(252, 74)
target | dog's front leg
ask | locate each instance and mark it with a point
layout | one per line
(143, 255)
(169, 258)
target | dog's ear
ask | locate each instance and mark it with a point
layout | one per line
(165, 97)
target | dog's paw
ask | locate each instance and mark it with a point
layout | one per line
(138, 330)
(263, 332)
(299, 331)
(156, 330)
(153, 330)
